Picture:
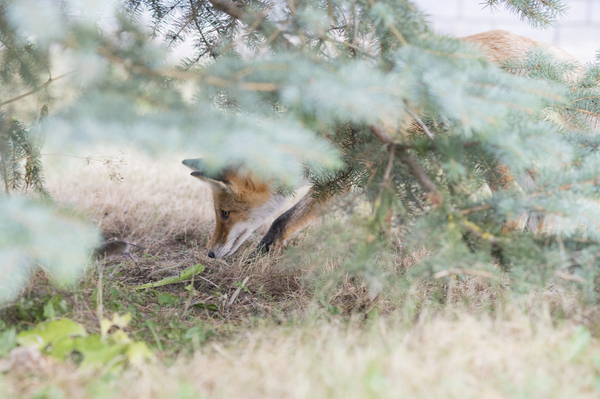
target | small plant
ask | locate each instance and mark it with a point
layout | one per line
(65, 339)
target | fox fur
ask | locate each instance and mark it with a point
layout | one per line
(243, 202)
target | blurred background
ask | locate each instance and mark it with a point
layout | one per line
(578, 32)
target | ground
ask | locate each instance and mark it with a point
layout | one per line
(281, 325)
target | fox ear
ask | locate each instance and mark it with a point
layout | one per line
(216, 185)
(195, 164)
(217, 181)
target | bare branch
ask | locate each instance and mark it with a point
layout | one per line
(381, 134)
(413, 165)
(386, 174)
(390, 164)
(418, 172)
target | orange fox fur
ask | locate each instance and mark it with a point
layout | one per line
(242, 202)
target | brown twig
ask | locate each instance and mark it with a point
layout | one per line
(390, 164)
(12, 100)
(386, 175)
(108, 53)
(480, 208)
(349, 45)
(583, 111)
(252, 86)
(420, 122)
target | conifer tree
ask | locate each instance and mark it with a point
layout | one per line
(20, 165)
(352, 93)
(421, 122)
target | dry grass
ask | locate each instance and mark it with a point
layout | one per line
(158, 205)
(450, 355)
(132, 196)
(277, 340)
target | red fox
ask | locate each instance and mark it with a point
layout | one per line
(244, 202)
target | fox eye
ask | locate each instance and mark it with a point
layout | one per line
(225, 214)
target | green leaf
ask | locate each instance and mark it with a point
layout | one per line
(166, 299)
(59, 338)
(208, 306)
(54, 307)
(183, 275)
(61, 348)
(50, 332)
(97, 352)
(196, 332)
(49, 312)
(334, 310)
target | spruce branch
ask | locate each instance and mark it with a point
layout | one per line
(249, 17)
(262, 15)
(566, 187)
(324, 190)
(185, 24)
(537, 12)
(583, 111)
(414, 166)
(393, 29)
(351, 46)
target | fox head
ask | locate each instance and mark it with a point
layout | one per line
(242, 204)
